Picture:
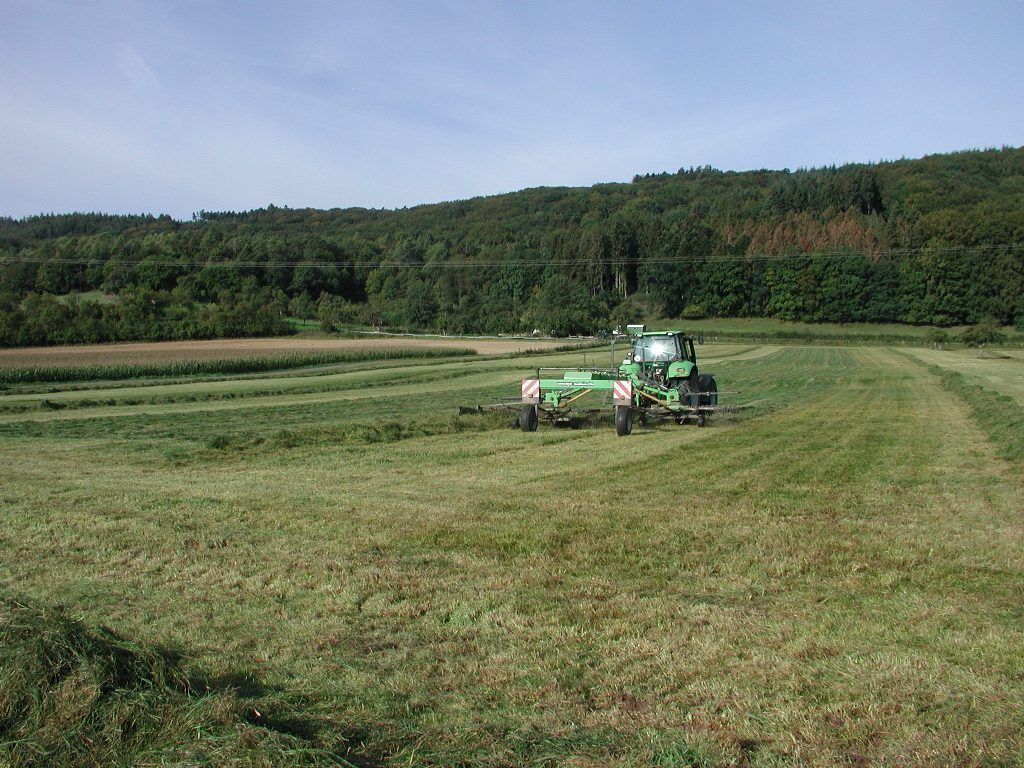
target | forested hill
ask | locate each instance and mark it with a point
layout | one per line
(933, 240)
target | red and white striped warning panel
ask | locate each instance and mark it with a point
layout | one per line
(622, 390)
(531, 388)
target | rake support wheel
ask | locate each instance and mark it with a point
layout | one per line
(623, 420)
(528, 418)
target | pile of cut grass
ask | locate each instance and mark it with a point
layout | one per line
(252, 364)
(73, 695)
(366, 433)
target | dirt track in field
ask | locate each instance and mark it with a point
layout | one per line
(160, 351)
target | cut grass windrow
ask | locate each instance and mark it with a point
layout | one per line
(1001, 417)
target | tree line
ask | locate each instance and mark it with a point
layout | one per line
(936, 240)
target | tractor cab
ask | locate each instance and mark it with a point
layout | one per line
(665, 347)
(667, 357)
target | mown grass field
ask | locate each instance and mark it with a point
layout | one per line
(832, 578)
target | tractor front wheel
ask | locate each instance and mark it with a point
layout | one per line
(528, 418)
(623, 420)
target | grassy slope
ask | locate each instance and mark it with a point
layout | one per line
(833, 579)
(99, 297)
(855, 333)
(771, 325)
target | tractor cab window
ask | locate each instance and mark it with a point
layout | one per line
(656, 349)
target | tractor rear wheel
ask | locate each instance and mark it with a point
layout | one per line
(528, 418)
(623, 420)
(708, 389)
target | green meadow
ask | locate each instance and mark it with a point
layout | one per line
(327, 565)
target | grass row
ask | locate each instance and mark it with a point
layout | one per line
(1000, 416)
(385, 431)
(184, 392)
(253, 364)
(97, 389)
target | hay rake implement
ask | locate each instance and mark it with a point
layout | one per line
(659, 380)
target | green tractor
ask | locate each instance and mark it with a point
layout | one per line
(659, 379)
(662, 366)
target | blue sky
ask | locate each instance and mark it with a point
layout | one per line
(173, 107)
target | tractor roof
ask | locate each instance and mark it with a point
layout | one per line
(641, 330)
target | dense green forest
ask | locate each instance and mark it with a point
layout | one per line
(937, 240)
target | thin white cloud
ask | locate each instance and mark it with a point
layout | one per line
(135, 69)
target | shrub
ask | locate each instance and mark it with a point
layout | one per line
(937, 337)
(985, 332)
(693, 312)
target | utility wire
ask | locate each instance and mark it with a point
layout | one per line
(578, 262)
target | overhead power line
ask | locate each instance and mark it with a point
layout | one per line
(578, 262)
